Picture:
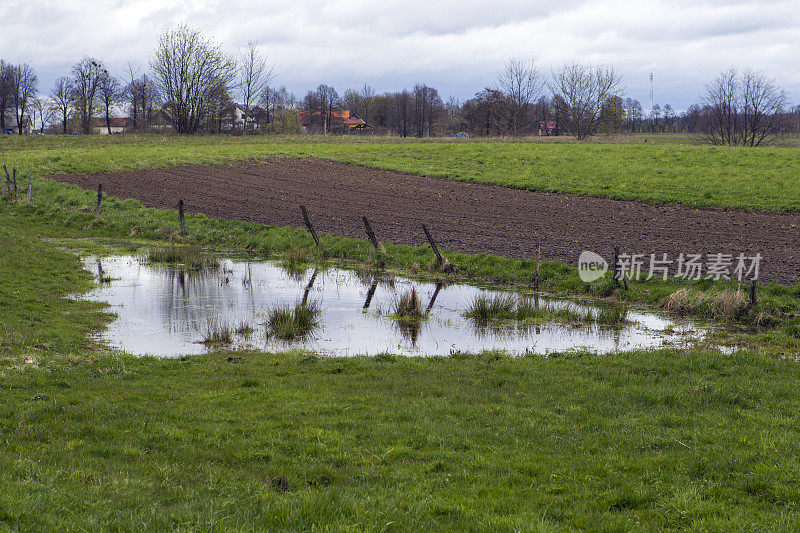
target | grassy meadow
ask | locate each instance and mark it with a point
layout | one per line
(94, 439)
(661, 172)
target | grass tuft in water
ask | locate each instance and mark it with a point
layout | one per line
(244, 330)
(189, 257)
(293, 322)
(486, 309)
(217, 334)
(408, 307)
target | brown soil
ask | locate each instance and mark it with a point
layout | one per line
(465, 217)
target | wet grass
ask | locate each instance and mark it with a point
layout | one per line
(293, 322)
(193, 258)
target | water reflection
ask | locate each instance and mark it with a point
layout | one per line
(165, 311)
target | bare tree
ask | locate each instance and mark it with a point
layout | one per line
(581, 91)
(46, 112)
(521, 82)
(140, 94)
(6, 76)
(62, 99)
(190, 72)
(108, 89)
(86, 75)
(255, 74)
(24, 86)
(742, 109)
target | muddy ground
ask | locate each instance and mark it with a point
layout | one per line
(467, 217)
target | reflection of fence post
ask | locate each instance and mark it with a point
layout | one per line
(307, 222)
(370, 233)
(433, 297)
(753, 296)
(433, 244)
(180, 215)
(538, 257)
(99, 198)
(370, 294)
(309, 286)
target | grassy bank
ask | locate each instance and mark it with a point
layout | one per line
(91, 439)
(690, 174)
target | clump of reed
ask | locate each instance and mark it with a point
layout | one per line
(408, 306)
(189, 257)
(244, 330)
(217, 334)
(293, 322)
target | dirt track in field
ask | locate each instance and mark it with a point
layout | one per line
(466, 217)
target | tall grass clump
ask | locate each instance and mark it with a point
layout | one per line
(217, 334)
(408, 306)
(188, 257)
(293, 322)
(727, 304)
(614, 314)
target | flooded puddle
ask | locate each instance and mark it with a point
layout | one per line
(164, 311)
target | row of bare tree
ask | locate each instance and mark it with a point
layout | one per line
(194, 82)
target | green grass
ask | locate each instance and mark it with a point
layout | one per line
(91, 439)
(293, 322)
(500, 309)
(684, 173)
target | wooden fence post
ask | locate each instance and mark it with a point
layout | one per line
(30, 190)
(370, 233)
(753, 296)
(433, 244)
(307, 222)
(614, 266)
(99, 198)
(180, 214)
(14, 173)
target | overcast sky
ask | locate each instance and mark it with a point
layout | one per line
(456, 46)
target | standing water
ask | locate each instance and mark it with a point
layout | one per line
(166, 311)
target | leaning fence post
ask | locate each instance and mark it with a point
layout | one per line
(180, 215)
(614, 266)
(307, 222)
(433, 244)
(14, 173)
(99, 198)
(370, 233)
(30, 189)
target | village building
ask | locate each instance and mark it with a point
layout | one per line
(11, 125)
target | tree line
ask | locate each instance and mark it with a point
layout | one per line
(191, 85)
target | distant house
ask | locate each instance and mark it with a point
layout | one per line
(11, 125)
(342, 121)
(117, 125)
(160, 120)
(234, 118)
